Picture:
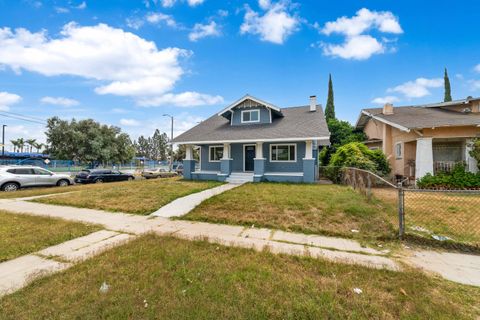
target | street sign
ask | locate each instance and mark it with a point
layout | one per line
(46, 161)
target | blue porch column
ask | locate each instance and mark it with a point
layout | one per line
(225, 163)
(309, 163)
(188, 163)
(258, 163)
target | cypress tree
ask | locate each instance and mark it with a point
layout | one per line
(330, 107)
(448, 93)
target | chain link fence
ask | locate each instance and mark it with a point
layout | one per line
(444, 218)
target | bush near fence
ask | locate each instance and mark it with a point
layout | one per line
(448, 218)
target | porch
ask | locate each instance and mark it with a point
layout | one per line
(282, 161)
(434, 155)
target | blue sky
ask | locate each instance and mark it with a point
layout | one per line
(126, 63)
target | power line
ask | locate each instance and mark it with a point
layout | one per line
(21, 118)
(24, 116)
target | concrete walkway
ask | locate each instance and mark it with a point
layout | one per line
(184, 205)
(19, 272)
(466, 269)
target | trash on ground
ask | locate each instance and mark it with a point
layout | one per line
(440, 238)
(357, 290)
(355, 231)
(104, 287)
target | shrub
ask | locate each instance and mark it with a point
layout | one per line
(458, 178)
(357, 155)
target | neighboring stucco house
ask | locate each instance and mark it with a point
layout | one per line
(253, 140)
(424, 139)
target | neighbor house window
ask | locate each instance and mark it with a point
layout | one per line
(398, 151)
(216, 153)
(283, 152)
(249, 116)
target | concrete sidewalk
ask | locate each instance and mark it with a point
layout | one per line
(330, 248)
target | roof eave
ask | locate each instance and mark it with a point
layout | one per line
(247, 96)
(390, 123)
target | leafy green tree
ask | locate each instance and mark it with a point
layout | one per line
(330, 107)
(31, 143)
(87, 141)
(341, 132)
(155, 147)
(475, 151)
(448, 93)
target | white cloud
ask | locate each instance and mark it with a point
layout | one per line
(7, 99)
(185, 99)
(275, 26)
(60, 101)
(157, 17)
(386, 99)
(61, 10)
(204, 30)
(418, 88)
(358, 45)
(193, 3)
(477, 68)
(119, 110)
(364, 20)
(130, 122)
(222, 13)
(357, 48)
(475, 85)
(81, 6)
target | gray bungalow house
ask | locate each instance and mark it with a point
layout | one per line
(253, 140)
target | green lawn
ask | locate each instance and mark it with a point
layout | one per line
(167, 278)
(138, 197)
(324, 209)
(22, 234)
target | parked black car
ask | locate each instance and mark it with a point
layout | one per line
(101, 175)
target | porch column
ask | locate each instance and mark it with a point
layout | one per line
(225, 163)
(309, 163)
(424, 157)
(188, 162)
(258, 163)
(472, 165)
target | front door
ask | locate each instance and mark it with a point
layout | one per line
(249, 155)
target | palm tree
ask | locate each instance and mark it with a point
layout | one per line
(20, 144)
(38, 146)
(31, 143)
(14, 144)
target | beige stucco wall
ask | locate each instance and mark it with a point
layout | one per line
(391, 136)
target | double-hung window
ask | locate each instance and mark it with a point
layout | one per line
(283, 152)
(250, 116)
(215, 153)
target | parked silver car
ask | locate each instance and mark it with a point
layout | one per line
(13, 178)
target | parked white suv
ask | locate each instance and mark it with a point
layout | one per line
(13, 178)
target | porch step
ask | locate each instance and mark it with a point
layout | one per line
(240, 177)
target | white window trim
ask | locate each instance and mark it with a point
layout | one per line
(401, 151)
(250, 111)
(210, 153)
(284, 144)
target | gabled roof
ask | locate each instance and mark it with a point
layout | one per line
(249, 97)
(297, 123)
(416, 117)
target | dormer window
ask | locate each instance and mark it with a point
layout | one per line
(250, 116)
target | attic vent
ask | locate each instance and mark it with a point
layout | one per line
(467, 110)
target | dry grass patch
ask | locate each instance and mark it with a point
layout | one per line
(166, 278)
(138, 197)
(308, 208)
(450, 214)
(22, 234)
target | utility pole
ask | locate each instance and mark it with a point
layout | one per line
(170, 167)
(3, 140)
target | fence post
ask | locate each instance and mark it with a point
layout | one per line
(369, 187)
(401, 211)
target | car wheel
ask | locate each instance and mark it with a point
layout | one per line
(99, 181)
(130, 178)
(63, 183)
(10, 187)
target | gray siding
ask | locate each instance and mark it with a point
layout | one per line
(237, 116)
(205, 164)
